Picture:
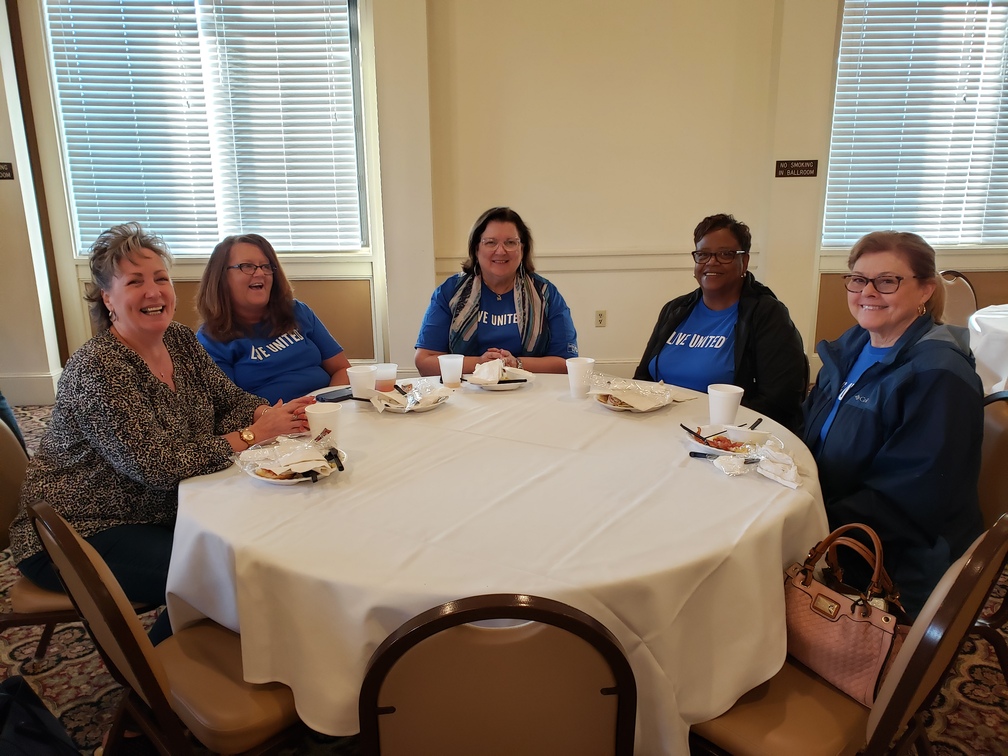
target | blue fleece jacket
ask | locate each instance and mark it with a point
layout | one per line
(903, 453)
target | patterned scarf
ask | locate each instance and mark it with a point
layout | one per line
(530, 309)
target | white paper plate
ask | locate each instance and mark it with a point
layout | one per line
(293, 481)
(397, 410)
(706, 430)
(501, 386)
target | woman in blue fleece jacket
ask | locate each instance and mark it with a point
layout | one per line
(895, 419)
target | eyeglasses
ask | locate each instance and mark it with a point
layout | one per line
(883, 284)
(510, 245)
(249, 269)
(724, 256)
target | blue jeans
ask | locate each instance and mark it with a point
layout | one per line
(7, 416)
(138, 556)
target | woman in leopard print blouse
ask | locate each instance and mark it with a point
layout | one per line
(138, 408)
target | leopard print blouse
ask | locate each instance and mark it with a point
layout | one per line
(120, 440)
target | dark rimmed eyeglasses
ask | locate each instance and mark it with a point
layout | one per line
(249, 269)
(724, 256)
(890, 284)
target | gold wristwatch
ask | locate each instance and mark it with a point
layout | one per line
(247, 435)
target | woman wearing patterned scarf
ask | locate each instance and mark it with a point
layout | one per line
(497, 307)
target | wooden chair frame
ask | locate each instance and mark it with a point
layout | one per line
(14, 461)
(989, 627)
(144, 702)
(492, 607)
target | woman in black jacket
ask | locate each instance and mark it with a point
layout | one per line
(730, 330)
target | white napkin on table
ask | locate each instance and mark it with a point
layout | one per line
(494, 371)
(779, 466)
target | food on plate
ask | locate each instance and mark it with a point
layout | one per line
(726, 444)
(612, 400)
(262, 472)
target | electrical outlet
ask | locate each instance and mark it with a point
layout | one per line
(600, 318)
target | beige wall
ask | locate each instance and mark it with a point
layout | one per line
(611, 127)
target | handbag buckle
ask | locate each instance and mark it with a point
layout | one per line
(825, 606)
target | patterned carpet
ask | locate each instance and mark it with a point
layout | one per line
(968, 718)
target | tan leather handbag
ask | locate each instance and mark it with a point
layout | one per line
(847, 636)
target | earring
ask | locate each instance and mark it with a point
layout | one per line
(921, 309)
(112, 316)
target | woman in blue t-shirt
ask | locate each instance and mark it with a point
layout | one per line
(266, 341)
(730, 330)
(498, 307)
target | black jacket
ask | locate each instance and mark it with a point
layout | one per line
(770, 361)
(903, 452)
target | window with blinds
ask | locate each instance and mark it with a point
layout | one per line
(203, 118)
(920, 123)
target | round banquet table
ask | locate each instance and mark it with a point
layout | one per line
(989, 341)
(526, 491)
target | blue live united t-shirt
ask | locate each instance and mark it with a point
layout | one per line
(701, 351)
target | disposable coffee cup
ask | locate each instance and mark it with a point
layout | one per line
(322, 417)
(362, 379)
(579, 372)
(385, 376)
(724, 400)
(451, 369)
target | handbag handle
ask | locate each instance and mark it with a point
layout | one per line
(883, 587)
(823, 547)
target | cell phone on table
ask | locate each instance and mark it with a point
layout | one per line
(335, 395)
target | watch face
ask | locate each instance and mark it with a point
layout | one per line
(248, 436)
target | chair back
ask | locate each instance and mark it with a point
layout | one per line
(558, 682)
(107, 614)
(960, 298)
(993, 487)
(13, 463)
(936, 636)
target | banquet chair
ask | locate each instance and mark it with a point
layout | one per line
(798, 712)
(960, 297)
(191, 680)
(556, 682)
(30, 605)
(993, 492)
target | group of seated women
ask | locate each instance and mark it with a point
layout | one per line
(894, 419)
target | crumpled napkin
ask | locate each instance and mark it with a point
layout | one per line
(494, 371)
(419, 393)
(299, 455)
(779, 466)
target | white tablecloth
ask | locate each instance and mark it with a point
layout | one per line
(989, 341)
(527, 491)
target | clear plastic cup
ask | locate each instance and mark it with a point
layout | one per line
(385, 376)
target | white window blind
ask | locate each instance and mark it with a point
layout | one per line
(201, 119)
(920, 122)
